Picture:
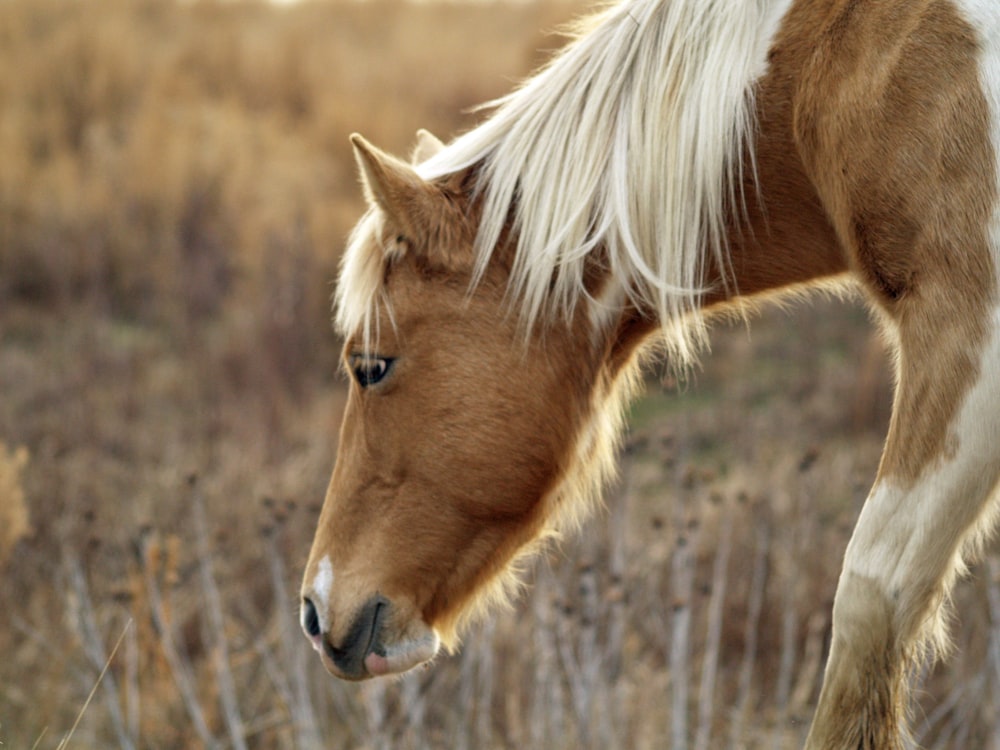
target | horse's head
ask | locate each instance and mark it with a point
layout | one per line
(464, 433)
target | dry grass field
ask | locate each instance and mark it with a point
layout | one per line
(175, 188)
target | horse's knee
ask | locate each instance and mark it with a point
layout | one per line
(864, 614)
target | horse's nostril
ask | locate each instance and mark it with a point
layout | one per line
(310, 619)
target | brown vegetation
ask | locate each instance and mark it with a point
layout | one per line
(14, 523)
(175, 186)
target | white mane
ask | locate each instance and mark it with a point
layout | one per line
(631, 140)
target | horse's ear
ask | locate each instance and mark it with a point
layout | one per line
(426, 217)
(428, 145)
(394, 187)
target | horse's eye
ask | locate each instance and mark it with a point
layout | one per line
(369, 370)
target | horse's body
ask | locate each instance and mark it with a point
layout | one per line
(680, 158)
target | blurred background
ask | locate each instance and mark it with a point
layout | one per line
(175, 189)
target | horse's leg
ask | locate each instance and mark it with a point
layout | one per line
(929, 505)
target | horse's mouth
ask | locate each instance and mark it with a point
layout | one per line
(371, 650)
(376, 624)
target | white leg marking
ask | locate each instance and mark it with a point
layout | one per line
(912, 534)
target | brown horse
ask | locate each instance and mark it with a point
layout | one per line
(679, 159)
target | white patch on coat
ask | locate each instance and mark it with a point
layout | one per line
(916, 535)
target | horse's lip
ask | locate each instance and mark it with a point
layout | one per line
(403, 655)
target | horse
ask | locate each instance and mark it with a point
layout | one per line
(676, 161)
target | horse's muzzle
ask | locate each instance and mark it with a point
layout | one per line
(346, 659)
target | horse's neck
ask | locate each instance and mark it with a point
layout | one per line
(781, 237)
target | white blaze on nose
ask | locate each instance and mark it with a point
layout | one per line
(321, 586)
